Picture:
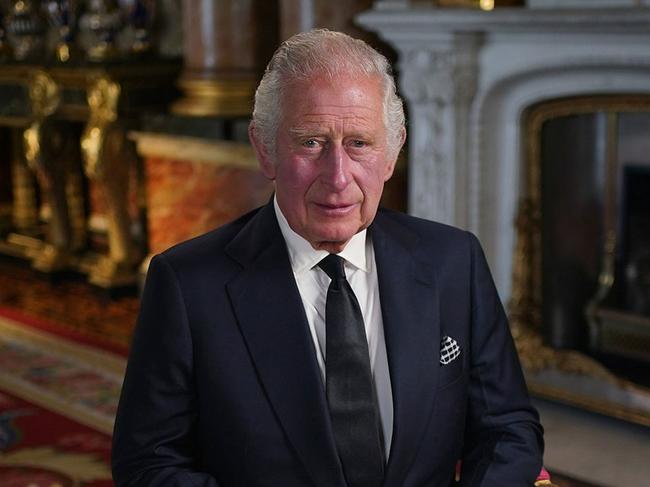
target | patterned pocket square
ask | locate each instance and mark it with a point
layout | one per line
(449, 350)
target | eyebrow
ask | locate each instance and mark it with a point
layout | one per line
(305, 131)
(320, 132)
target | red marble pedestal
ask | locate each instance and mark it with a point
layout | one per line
(192, 191)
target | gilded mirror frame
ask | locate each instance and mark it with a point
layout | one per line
(525, 305)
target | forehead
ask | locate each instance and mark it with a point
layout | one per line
(340, 99)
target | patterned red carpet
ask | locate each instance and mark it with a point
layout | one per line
(39, 448)
(58, 398)
(69, 302)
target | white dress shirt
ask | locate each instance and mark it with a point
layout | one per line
(361, 272)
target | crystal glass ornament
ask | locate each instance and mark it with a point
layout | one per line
(26, 29)
(102, 19)
(141, 16)
(62, 14)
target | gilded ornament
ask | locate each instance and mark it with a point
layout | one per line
(103, 97)
(223, 97)
(107, 161)
(45, 97)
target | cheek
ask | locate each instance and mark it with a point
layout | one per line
(372, 183)
(297, 177)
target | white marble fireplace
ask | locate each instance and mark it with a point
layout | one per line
(469, 75)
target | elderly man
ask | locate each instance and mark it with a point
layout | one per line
(318, 341)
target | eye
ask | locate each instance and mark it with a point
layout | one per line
(310, 143)
(358, 143)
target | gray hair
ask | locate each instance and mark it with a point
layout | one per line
(325, 53)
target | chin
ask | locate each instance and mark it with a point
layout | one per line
(333, 242)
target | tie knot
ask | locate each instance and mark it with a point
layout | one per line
(333, 266)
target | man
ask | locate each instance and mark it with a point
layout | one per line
(317, 341)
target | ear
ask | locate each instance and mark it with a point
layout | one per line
(390, 167)
(266, 162)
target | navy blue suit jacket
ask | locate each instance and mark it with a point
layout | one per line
(223, 387)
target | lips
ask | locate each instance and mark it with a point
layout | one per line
(338, 209)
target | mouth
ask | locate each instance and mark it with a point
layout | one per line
(334, 210)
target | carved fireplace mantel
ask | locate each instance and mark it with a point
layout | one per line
(468, 76)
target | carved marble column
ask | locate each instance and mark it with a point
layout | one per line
(439, 82)
(302, 15)
(226, 46)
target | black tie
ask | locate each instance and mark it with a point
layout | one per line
(350, 392)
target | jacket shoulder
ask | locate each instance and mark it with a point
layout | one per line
(424, 230)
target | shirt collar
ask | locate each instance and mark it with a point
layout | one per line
(304, 257)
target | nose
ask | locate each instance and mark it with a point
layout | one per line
(336, 168)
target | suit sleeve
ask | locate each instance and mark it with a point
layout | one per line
(154, 437)
(504, 442)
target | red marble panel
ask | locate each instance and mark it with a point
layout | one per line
(188, 198)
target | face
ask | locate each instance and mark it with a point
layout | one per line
(331, 159)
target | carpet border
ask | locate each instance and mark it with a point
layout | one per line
(59, 330)
(103, 360)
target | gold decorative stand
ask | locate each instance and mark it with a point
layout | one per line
(107, 160)
(49, 151)
(69, 144)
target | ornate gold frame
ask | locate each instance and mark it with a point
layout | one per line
(525, 305)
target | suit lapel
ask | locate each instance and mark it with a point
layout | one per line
(409, 304)
(270, 314)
